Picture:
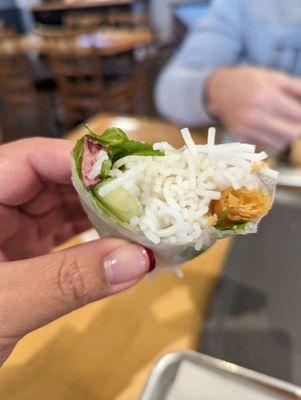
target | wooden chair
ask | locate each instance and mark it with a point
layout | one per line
(129, 20)
(78, 78)
(83, 91)
(7, 34)
(19, 98)
(84, 21)
(15, 73)
(53, 35)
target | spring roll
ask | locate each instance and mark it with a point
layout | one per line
(177, 202)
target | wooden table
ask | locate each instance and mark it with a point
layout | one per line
(105, 42)
(140, 128)
(78, 4)
(106, 350)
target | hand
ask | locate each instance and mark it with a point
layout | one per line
(257, 105)
(38, 209)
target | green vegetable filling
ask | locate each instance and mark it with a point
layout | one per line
(106, 168)
(118, 144)
(224, 224)
(121, 203)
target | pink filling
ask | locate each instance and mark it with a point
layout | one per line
(91, 149)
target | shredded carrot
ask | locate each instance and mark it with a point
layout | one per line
(242, 205)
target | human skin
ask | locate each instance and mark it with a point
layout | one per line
(256, 105)
(39, 209)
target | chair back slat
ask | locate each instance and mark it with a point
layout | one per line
(79, 77)
(130, 20)
(84, 21)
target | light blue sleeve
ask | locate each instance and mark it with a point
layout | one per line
(215, 41)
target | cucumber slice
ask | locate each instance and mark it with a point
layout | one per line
(121, 203)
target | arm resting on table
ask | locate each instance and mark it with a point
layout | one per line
(215, 41)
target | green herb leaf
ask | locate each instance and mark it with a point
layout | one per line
(222, 219)
(105, 168)
(223, 224)
(133, 148)
(235, 227)
(111, 136)
(91, 133)
(119, 146)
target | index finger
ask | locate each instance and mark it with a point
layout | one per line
(27, 164)
(291, 85)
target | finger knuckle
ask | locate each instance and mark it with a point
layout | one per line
(75, 285)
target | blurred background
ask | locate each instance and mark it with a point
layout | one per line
(63, 62)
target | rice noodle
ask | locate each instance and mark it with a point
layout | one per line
(176, 190)
(131, 174)
(95, 171)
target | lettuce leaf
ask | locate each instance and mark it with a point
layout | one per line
(130, 148)
(119, 145)
(225, 225)
(237, 227)
(84, 193)
(77, 154)
(110, 137)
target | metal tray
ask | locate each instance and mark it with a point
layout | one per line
(165, 372)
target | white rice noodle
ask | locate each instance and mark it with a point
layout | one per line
(179, 272)
(131, 174)
(115, 173)
(199, 244)
(191, 169)
(152, 237)
(228, 148)
(96, 169)
(231, 178)
(168, 197)
(128, 159)
(211, 142)
(210, 194)
(176, 190)
(270, 173)
(189, 143)
(254, 157)
(163, 146)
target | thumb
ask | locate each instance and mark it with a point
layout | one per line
(36, 291)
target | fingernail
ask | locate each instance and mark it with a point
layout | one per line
(127, 263)
(152, 259)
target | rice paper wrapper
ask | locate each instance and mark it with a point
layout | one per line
(166, 255)
(267, 183)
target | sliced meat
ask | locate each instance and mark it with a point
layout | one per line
(91, 149)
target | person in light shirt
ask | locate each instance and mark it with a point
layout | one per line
(241, 66)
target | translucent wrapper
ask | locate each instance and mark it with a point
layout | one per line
(167, 255)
